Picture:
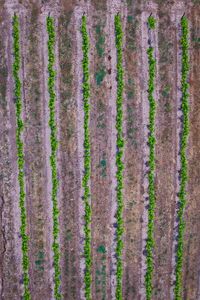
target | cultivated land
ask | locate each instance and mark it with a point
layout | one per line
(99, 149)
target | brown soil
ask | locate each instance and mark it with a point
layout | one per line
(191, 270)
(69, 172)
(100, 155)
(69, 114)
(133, 133)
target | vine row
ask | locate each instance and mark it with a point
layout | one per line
(119, 154)
(53, 159)
(183, 156)
(87, 159)
(151, 174)
(20, 153)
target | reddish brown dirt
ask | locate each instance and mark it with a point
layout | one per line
(37, 198)
(68, 164)
(133, 204)
(165, 163)
(191, 270)
(102, 132)
(101, 152)
(10, 269)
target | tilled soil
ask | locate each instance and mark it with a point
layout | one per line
(69, 116)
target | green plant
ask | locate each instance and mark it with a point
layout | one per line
(99, 76)
(87, 159)
(151, 22)
(100, 41)
(151, 175)
(101, 249)
(183, 172)
(119, 154)
(166, 91)
(53, 161)
(20, 153)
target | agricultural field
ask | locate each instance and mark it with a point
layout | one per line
(99, 149)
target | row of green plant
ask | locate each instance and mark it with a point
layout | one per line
(87, 160)
(119, 154)
(20, 153)
(151, 174)
(53, 160)
(183, 156)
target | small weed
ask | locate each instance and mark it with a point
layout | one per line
(152, 22)
(100, 44)
(99, 76)
(101, 249)
(166, 91)
(103, 165)
(129, 19)
(168, 107)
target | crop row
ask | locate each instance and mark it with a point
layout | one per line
(20, 153)
(183, 156)
(53, 160)
(151, 175)
(119, 154)
(87, 160)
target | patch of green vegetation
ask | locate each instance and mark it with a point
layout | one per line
(119, 155)
(87, 159)
(53, 159)
(131, 33)
(101, 249)
(166, 91)
(151, 176)
(103, 165)
(168, 107)
(40, 261)
(129, 19)
(20, 153)
(100, 43)
(184, 169)
(151, 22)
(99, 76)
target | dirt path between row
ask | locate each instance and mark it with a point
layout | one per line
(10, 262)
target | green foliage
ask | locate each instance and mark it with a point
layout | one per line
(151, 175)
(166, 91)
(54, 145)
(40, 261)
(119, 154)
(131, 29)
(87, 159)
(129, 19)
(151, 22)
(101, 249)
(20, 153)
(99, 76)
(103, 165)
(100, 281)
(183, 171)
(100, 41)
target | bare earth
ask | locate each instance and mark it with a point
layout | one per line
(69, 116)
